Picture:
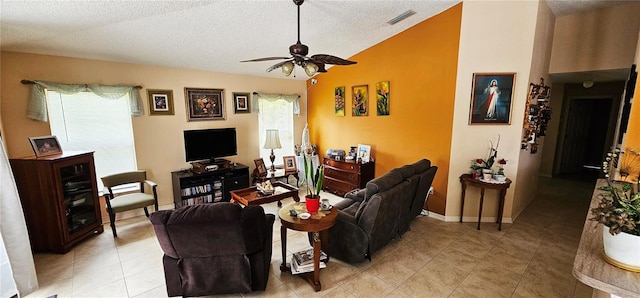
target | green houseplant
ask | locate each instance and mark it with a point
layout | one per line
(314, 184)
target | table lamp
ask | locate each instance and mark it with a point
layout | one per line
(272, 142)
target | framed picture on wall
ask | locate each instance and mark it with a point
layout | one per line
(360, 101)
(241, 102)
(160, 102)
(204, 104)
(339, 97)
(382, 96)
(491, 98)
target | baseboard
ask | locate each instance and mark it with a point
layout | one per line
(466, 218)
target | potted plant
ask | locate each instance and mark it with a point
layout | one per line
(314, 185)
(483, 167)
(619, 211)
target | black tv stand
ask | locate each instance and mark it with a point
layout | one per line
(190, 187)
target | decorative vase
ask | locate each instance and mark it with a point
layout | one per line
(312, 204)
(486, 174)
(621, 250)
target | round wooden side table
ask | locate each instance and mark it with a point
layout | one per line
(318, 225)
(467, 179)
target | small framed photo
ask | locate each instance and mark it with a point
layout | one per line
(364, 153)
(160, 102)
(204, 104)
(241, 102)
(262, 169)
(290, 163)
(45, 146)
(491, 98)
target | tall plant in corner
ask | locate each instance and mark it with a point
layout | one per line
(314, 186)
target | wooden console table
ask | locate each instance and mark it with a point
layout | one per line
(589, 266)
(467, 179)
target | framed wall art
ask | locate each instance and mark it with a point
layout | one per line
(339, 97)
(160, 102)
(360, 102)
(241, 102)
(204, 104)
(382, 96)
(491, 98)
(45, 146)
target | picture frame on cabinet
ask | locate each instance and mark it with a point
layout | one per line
(241, 102)
(204, 104)
(45, 145)
(364, 153)
(160, 102)
(491, 98)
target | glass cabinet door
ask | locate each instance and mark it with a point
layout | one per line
(78, 196)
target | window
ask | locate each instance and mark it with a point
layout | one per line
(276, 115)
(87, 122)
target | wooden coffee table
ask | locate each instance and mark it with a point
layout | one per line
(318, 225)
(251, 195)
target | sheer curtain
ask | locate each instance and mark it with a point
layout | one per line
(275, 111)
(13, 228)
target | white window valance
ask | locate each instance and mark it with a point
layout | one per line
(37, 108)
(293, 98)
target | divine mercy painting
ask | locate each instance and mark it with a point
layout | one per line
(491, 98)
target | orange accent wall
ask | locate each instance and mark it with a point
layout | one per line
(633, 131)
(420, 64)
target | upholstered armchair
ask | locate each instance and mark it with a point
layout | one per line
(218, 248)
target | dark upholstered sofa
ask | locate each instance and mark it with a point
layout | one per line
(370, 218)
(218, 248)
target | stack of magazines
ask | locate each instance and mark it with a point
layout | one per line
(302, 261)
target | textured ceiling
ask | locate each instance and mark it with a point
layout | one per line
(212, 35)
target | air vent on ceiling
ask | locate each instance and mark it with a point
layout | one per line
(401, 17)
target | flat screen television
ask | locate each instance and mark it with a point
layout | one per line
(202, 144)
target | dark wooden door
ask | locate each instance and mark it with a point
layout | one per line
(585, 134)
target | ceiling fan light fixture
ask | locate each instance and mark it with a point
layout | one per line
(310, 68)
(287, 68)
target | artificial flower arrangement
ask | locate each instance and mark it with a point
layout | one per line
(619, 206)
(479, 164)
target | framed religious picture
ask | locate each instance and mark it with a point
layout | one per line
(45, 146)
(360, 100)
(262, 169)
(491, 98)
(160, 102)
(241, 102)
(290, 163)
(204, 104)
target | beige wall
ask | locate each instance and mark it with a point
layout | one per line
(158, 139)
(488, 44)
(601, 39)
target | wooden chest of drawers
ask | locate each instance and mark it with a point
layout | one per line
(341, 177)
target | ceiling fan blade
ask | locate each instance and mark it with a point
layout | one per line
(328, 59)
(278, 65)
(266, 59)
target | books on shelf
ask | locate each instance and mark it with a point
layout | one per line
(297, 268)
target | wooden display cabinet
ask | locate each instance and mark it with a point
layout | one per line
(59, 196)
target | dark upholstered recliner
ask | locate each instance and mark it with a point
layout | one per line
(217, 248)
(370, 218)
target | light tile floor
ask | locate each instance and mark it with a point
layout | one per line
(533, 257)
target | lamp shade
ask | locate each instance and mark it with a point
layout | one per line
(273, 139)
(287, 68)
(310, 69)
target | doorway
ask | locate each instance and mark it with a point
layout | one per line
(587, 136)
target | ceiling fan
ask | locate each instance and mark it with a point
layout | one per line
(299, 51)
